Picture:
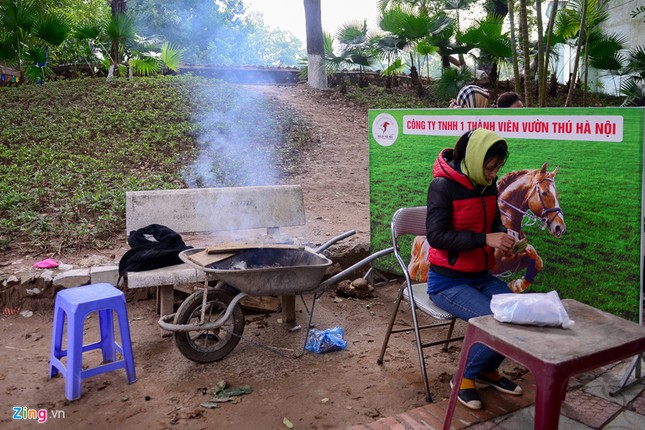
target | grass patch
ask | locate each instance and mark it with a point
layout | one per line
(71, 149)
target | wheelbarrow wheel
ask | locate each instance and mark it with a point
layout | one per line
(206, 346)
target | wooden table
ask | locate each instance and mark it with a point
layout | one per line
(553, 354)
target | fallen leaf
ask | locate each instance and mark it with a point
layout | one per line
(208, 405)
(218, 387)
(287, 423)
(233, 399)
(234, 391)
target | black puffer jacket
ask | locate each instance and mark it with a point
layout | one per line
(459, 216)
(152, 247)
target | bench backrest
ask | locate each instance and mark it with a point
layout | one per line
(216, 209)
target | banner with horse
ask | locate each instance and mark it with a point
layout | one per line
(571, 192)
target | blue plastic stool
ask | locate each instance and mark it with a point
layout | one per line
(76, 304)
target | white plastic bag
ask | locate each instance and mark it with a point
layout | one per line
(542, 309)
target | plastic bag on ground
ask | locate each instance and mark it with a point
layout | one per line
(541, 309)
(331, 339)
(48, 263)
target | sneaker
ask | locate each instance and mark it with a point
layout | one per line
(468, 397)
(504, 385)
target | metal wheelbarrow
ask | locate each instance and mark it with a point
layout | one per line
(209, 324)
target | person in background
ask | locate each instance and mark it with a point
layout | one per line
(509, 99)
(464, 227)
(471, 96)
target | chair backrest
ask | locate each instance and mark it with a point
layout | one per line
(407, 221)
(410, 220)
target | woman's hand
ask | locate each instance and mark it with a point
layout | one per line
(502, 241)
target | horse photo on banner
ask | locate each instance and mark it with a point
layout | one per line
(571, 192)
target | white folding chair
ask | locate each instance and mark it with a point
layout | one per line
(412, 221)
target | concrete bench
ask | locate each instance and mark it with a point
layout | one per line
(210, 210)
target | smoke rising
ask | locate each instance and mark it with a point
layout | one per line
(235, 142)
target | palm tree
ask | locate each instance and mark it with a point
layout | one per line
(494, 46)
(119, 29)
(580, 23)
(28, 31)
(151, 63)
(457, 5)
(632, 87)
(355, 47)
(408, 26)
(390, 48)
(635, 68)
(111, 34)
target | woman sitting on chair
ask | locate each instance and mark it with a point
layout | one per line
(464, 227)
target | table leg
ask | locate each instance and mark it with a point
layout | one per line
(550, 392)
(463, 358)
(166, 301)
(289, 308)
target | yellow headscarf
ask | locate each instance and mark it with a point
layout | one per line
(473, 163)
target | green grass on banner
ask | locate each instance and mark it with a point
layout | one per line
(597, 261)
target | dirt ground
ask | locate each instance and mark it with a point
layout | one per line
(316, 391)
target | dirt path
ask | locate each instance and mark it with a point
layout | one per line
(335, 179)
(316, 391)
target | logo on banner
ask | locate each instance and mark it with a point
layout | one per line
(385, 129)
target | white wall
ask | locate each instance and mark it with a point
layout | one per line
(633, 29)
(619, 22)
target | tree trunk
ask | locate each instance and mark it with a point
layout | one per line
(524, 27)
(540, 54)
(414, 75)
(547, 53)
(117, 7)
(316, 72)
(585, 88)
(497, 7)
(581, 38)
(516, 67)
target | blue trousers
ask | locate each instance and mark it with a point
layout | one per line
(465, 299)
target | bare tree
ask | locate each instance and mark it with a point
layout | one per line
(524, 30)
(316, 72)
(516, 67)
(540, 52)
(547, 53)
(581, 37)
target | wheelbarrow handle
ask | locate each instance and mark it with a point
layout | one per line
(342, 275)
(329, 243)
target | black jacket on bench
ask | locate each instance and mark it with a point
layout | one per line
(148, 254)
